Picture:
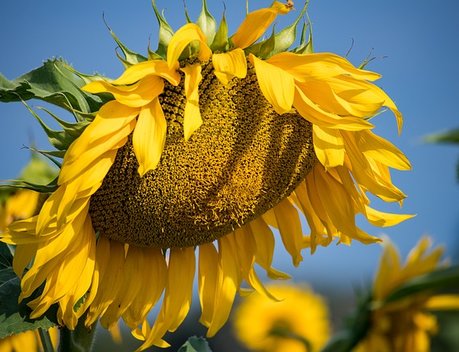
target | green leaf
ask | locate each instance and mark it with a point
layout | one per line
(14, 316)
(195, 344)
(6, 257)
(207, 23)
(451, 136)
(221, 41)
(165, 32)
(54, 83)
(435, 281)
(130, 57)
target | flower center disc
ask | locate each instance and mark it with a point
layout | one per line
(242, 161)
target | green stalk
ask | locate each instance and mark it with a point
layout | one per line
(45, 340)
(79, 340)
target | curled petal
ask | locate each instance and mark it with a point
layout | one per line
(180, 40)
(256, 23)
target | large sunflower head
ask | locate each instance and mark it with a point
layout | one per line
(406, 324)
(205, 146)
(298, 322)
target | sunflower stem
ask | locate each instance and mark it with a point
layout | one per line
(45, 340)
(79, 340)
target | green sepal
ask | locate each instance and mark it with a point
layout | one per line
(207, 23)
(286, 37)
(440, 280)
(264, 48)
(130, 57)
(195, 344)
(306, 45)
(14, 316)
(221, 41)
(61, 140)
(165, 32)
(54, 83)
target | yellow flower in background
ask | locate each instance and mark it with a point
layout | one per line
(299, 319)
(20, 205)
(28, 341)
(406, 324)
(209, 144)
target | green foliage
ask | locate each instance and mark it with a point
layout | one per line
(14, 316)
(54, 82)
(195, 344)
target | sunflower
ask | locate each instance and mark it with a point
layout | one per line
(407, 324)
(200, 151)
(298, 322)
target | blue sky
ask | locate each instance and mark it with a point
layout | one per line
(416, 46)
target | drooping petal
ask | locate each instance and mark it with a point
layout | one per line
(143, 69)
(264, 239)
(109, 130)
(177, 298)
(149, 136)
(207, 281)
(328, 146)
(227, 286)
(382, 150)
(256, 23)
(153, 283)
(383, 219)
(318, 66)
(316, 115)
(185, 35)
(290, 229)
(192, 116)
(277, 86)
(229, 65)
(135, 95)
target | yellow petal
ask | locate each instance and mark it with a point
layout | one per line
(389, 266)
(318, 66)
(316, 115)
(443, 302)
(185, 35)
(382, 150)
(229, 65)
(277, 86)
(192, 116)
(328, 146)
(149, 136)
(109, 130)
(256, 23)
(145, 68)
(135, 95)
(207, 281)
(177, 298)
(382, 219)
(153, 283)
(264, 239)
(228, 283)
(290, 229)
